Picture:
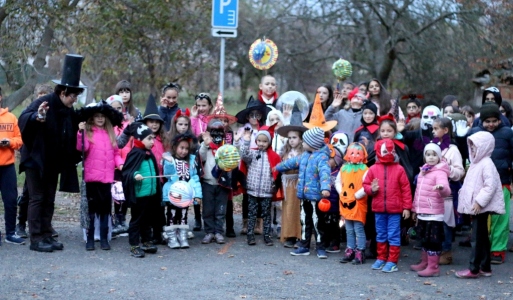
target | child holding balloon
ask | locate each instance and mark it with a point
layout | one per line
(179, 165)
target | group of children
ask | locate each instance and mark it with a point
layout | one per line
(357, 167)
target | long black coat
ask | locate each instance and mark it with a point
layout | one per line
(50, 146)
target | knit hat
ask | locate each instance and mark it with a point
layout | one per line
(496, 94)
(314, 138)
(115, 98)
(489, 110)
(268, 131)
(370, 106)
(140, 131)
(433, 147)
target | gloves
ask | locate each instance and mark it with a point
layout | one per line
(461, 128)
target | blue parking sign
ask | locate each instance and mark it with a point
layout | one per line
(225, 13)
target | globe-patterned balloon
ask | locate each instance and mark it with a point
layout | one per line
(227, 157)
(181, 194)
(342, 69)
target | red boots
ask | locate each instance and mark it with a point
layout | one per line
(423, 262)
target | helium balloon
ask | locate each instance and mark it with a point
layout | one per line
(227, 157)
(291, 98)
(181, 194)
(342, 69)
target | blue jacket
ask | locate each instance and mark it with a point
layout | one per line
(314, 173)
(503, 152)
(169, 169)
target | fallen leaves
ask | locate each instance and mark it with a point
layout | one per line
(287, 272)
(163, 268)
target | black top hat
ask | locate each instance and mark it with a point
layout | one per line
(296, 123)
(71, 70)
(152, 112)
(252, 105)
(115, 117)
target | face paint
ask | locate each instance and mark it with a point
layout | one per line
(217, 136)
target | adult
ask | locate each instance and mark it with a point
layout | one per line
(382, 99)
(48, 129)
(493, 95)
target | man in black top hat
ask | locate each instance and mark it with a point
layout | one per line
(49, 129)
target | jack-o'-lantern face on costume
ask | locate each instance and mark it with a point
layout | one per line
(356, 154)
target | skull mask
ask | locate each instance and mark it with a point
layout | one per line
(340, 141)
(216, 130)
(429, 114)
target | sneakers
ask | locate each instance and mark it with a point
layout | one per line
(321, 253)
(149, 247)
(219, 238)
(466, 274)
(289, 243)
(300, 251)
(359, 257)
(21, 231)
(208, 238)
(268, 241)
(333, 249)
(498, 257)
(348, 257)
(190, 235)
(251, 240)
(390, 267)
(485, 273)
(14, 239)
(136, 251)
(378, 264)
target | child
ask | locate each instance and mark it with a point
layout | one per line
(180, 164)
(169, 103)
(152, 119)
(442, 133)
(142, 190)
(291, 206)
(330, 223)
(428, 208)
(369, 124)
(200, 110)
(276, 117)
(314, 184)
(124, 89)
(348, 120)
(215, 187)
(267, 94)
(180, 124)
(480, 196)
(469, 113)
(383, 100)
(101, 158)
(413, 108)
(260, 180)
(389, 186)
(502, 158)
(353, 202)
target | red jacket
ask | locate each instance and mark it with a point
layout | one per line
(394, 194)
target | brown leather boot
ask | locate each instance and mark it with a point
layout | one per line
(244, 229)
(259, 228)
(446, 258)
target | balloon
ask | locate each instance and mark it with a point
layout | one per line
(291, 98)
(263, 54)
(181, 194)
(227, 157)
(342, 69)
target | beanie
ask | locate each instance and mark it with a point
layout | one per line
(433, 147)
(370, 106)
(489, 110)
(314, 138)
(115, 98)
(140, 131)
(496, 94)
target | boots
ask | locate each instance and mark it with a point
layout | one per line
(172, 239)
(432, 269)
(445, 258)
(182, 236)
(348, 257)
(244, 229)
(197, 217)
(90, 234)
(104, 232)
(422, 264)
(120, 225)
(359, 257)
(259, 228)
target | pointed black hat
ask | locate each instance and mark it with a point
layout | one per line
(152, 112)
(115, 117)
(71, 70)
(296, 123)
(252, 105)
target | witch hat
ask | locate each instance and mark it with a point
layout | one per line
(71, 70)
(317, 117)
(152, 112)
(220, 112)
(252, 105)
(296, 123)
(114, 116)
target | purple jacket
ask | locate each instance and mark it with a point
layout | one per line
(427, 200)
(101, 157)
(482, 183)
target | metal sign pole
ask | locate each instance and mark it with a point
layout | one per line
(221, 68)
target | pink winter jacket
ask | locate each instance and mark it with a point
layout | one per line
(158, 150)
(101, 158)
(482, 183)
(427, 200)
(199, 124)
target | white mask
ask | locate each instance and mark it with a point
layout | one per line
(340, 141)
(429, 114)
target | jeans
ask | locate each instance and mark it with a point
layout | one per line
(355, 235)
(9, 192)
(447, 243)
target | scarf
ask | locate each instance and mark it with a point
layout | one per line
(426, 168)
(444, 143)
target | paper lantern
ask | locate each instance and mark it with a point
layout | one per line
(342, 69)
(227, 157)
(324, 205)
(181, 194)
(263, 54)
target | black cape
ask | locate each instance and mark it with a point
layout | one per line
(132, 164)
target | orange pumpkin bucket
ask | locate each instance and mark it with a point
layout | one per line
(324, 205)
